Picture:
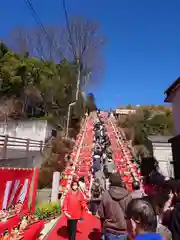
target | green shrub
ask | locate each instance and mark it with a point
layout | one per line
(47, 210)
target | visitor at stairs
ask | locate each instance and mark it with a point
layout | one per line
(104, 156)
(96, 125)
(82, 186)
(107, 142)
(174, 208)
(97, 146)
(98, 149)
(97, 159)
(101, 131)
(101, 177)
(73, 208)
(97, 134)
(141, 221)
(107, 153)
(96, 163)
(109, 164)
(137, 192)
(112, 209)
(158, 202)
(107, 175)
(96, 194)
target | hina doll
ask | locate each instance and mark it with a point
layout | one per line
(6, 235)
(24, 224)
(3, 214)
(18, 206)
(14, 234)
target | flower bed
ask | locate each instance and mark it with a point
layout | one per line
(48, 211)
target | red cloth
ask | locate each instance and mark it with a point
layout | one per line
(33, 231)
(63, 182)
(10, 174)
(90, 228)
(74, 204)
(148, 189)
(10, 224)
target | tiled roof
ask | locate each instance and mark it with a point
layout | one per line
(173, 87)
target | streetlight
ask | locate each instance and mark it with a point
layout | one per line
(77, 96)
(68, 118)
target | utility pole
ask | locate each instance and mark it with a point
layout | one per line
(78, 70)
(78, 79)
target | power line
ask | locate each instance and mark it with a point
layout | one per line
(74, 52)
(37, 19)
(68, 27)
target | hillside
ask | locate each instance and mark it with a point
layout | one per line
(33, 88)
(148, 120)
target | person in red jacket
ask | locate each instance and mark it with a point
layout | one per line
(73, 208)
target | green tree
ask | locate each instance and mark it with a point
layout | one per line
(129, 106)
(91, 105)
(40, 86)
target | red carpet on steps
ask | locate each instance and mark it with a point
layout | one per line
(87, 229)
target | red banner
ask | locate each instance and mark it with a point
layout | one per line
(15, 186)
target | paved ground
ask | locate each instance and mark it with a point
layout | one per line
(48, 227)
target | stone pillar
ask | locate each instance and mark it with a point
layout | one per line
(55, 186)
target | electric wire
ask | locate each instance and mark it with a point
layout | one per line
(68, 27)
(38, 21)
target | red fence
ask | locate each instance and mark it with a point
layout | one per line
(18, 185)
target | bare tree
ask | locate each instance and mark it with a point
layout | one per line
(36, 42)
(18, 40)
(83, 41)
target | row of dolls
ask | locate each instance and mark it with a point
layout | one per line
(13, 210)
(16, 232)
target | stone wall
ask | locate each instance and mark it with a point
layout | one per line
(163, 154)
(43, 195)
(20, 159)
(16, 153)
(38, 130)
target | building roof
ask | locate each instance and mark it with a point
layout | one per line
(159, 138)
(172, 88)
(125, 111)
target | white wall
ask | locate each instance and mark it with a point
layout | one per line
(163, 154)
(37, 130)
(125, 111)
(176, 111)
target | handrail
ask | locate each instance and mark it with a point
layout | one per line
(7, 142)
(18, 138)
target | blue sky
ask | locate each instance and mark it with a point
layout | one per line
(142, 52)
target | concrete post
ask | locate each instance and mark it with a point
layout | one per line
(55, 186)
